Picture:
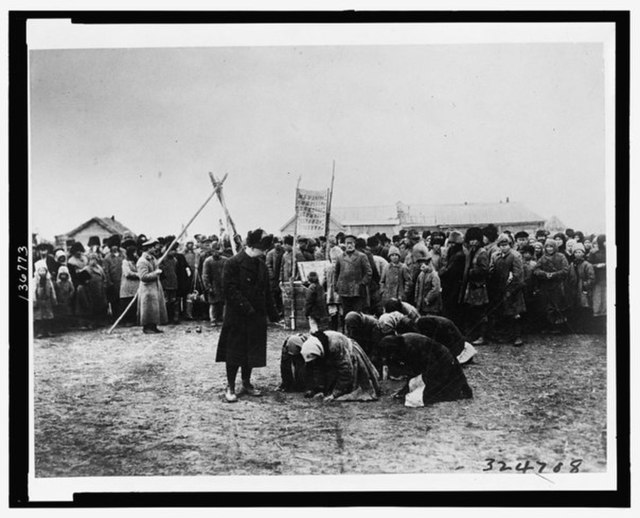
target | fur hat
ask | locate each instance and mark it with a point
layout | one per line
(254, 238)
(360, 242)
(522, 234)
(437, 238)
(413, 234)
(76, 247)
(490, 232)
(372, 241)
(45, 246)
(127, 243)
(113, 240)
(350, 236)
(393, 250)
(502, 238)
(455, 238)
(287, 240)
(473, 233)
(94, 241)
(541, 233)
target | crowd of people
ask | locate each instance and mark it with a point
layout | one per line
(416, 302)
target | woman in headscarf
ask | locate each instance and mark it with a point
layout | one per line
(44, 300)
(65, 290)
(433, 372)
(91, 301)
(551, 271)
(598, 258)
(340, 367)
(363, 329)
(292, 370)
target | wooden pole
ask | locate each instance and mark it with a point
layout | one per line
(230, 223)
(184, 229)
(329, 200)
(293, 261)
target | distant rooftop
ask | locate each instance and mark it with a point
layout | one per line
(466, 214)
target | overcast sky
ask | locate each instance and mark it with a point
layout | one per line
(134, 132)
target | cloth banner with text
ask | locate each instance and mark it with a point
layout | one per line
(311, 208)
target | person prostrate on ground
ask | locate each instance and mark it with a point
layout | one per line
(434, 374)
(340, 368)
(248, 303)
(292, 365)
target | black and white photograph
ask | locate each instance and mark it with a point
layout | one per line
(322, 256)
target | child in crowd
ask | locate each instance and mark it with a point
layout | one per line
(64, 289)
(531, 319)
(427, 296)
(582, 277)
(315, 306)
(551, 271)
(334, 304)
(396, 279)
(506, 270)
(44, 300)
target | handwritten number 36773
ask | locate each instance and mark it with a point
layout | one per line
(527, 466)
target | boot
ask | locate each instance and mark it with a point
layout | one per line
(230, 395)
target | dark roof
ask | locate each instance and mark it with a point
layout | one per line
(461, 215)
(111, 225)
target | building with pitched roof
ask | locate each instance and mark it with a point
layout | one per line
(101, 227)
(390, 219)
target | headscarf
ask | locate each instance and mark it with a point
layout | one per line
(311, 349)
(293, 345)
(389, 321)
(551, 242)
(61, 270)
(502, 238)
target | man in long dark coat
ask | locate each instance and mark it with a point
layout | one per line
(248, 303)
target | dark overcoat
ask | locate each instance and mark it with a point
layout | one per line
(509, 291)
(451, 281)
(440, 370)
(248, 304)
(443, 331)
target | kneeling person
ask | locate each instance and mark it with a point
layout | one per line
(434, 373)
(340, 367)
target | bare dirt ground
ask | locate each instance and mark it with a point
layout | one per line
(129, 404)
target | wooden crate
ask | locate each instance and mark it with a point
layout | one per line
(300, 292)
